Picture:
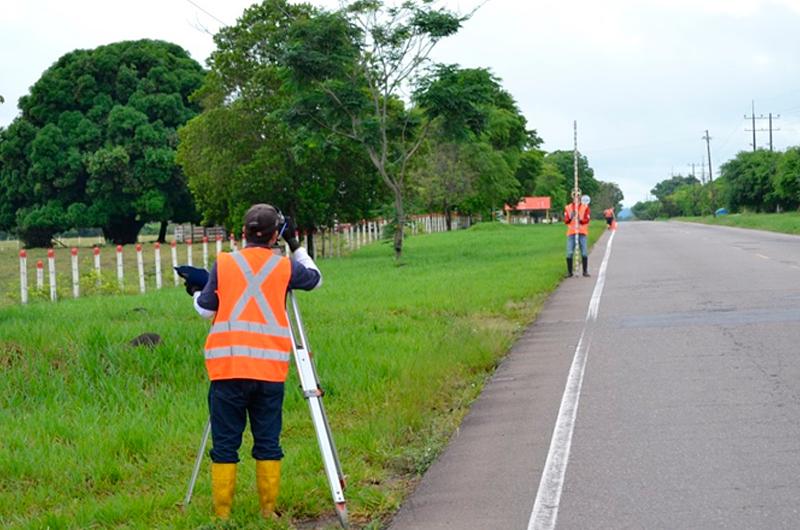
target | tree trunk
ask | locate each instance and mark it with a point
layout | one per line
(401, 223)
(122, 231)
(448, 218)
(36, 237)
(310, 238)
(162, 233)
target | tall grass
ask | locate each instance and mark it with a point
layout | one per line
(787, 223)
(95, 433)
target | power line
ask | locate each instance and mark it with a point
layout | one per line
(207, 13)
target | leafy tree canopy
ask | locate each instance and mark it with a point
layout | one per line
(564, 161)
(749, 179)
(669, 186)
(95, 143)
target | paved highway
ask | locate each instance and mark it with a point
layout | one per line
(675, 399)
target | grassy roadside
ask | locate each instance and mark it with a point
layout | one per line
(787, 223)
(98, 434)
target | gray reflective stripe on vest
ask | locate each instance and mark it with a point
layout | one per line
(253, 292)
(247, 351)
(252, 327)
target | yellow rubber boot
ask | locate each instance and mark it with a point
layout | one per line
(268, 480)
(223, 482)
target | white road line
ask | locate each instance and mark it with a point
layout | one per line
(762, 256)
(548, 497)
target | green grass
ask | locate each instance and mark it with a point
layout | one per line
(97, 434)
(787, 223)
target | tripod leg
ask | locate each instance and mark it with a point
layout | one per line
(197, 462)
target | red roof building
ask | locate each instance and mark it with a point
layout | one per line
(529, 204)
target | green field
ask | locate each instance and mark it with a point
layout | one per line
(98, 434)
(788, 223)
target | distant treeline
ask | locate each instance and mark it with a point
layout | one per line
(755, 181)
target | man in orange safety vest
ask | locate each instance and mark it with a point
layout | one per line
(248, 350)
(581, 228)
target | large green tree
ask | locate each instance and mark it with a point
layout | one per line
(95, 143)
(477, 140)
(564, 161)
(608, 195)
(787, 179)
(749, 179)
(250, 145)
(351, 69)
(667, 187)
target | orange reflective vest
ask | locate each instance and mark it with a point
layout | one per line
(583, 217)
(250, 337)
(608, 213)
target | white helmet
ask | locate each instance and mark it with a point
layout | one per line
(586, 200)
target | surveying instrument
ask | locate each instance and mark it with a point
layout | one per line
(577, 199)
(312, 392)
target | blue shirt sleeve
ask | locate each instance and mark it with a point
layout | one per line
(303, 278)
(208, 298)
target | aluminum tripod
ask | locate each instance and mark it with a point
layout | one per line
(309, 382)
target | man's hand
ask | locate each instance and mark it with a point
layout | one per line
(289, 234)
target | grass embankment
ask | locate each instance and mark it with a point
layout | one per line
(98, 434)
(787, 223)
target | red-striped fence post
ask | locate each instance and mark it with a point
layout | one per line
(96, 252)
(232, 241)
(120, 270)
(39, 275)
(23, 276)
(219, 244)
(205, 252)
(189, 252)
(140, 267)
(157, 252)
(76, 281)
(51, 266)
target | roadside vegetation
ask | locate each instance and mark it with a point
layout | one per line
(100, 434)
(787, 223)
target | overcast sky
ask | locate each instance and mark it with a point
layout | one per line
(643, 78)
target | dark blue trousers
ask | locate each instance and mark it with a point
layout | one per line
(230, 401)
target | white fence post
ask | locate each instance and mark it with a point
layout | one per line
(205, 252)
(23, 276)
(39, 275)
(157, 252)
(173, 249)
(232, 241)
(51, 266)
(189, 253)
(76, 280)
(140, 267)
(120, 270)
(219, 244)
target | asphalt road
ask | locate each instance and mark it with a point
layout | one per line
(689, 402)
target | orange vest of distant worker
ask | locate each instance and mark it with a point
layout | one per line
(608, 213)
(583, 216)
(250, 337)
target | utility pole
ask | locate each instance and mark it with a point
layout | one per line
(707, 138)
(703, 170)
(770, 128)
(753, 119)
(692, 165)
